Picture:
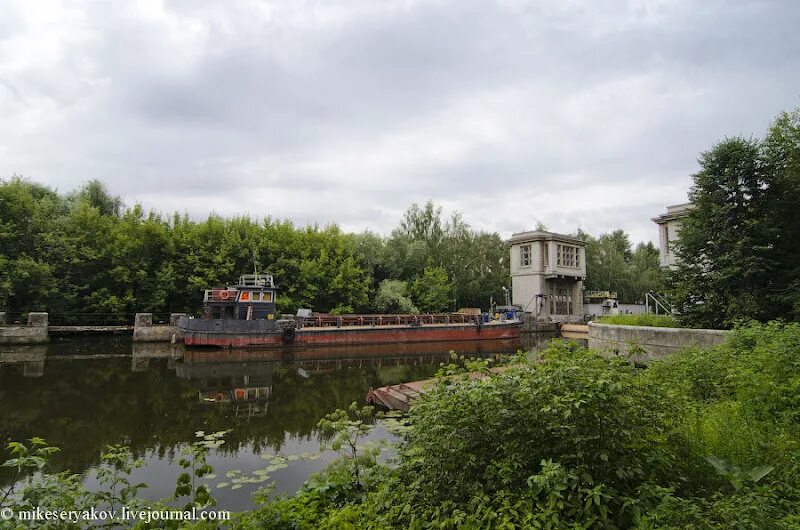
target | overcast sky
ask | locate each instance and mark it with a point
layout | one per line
(576, 114)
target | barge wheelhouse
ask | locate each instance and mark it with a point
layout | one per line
(252, 298)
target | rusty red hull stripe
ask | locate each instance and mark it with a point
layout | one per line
(312, 337)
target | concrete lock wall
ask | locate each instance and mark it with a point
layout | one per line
(656, 342)
(145, 331)
(34, 333)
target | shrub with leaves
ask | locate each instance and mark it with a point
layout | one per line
(576, 426)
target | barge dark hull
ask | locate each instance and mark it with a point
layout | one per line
(240, 334)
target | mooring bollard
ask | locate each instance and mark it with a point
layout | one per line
(145, 331)
(34, 333)
(143, 320)
(37, 320)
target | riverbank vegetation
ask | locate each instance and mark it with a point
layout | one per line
(705, 439)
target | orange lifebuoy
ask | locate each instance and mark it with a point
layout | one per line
(224, 295)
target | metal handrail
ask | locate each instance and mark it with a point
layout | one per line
(657, 302)
(329, 320)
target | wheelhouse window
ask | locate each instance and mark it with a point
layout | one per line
(525, 256)
(567, 256)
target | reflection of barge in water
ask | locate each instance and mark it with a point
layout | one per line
(242, 378)
(246, 386)
(373, 353)
(243, 315)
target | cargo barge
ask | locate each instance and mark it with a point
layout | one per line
(244, 315)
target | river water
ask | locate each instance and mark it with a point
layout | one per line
(84, 394)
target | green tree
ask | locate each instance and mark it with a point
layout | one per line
(31, 249)
(781, 152)
(432, 291)
(725, 249)
(643, 273)
(392, 297)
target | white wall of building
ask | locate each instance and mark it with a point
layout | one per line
(548, 285)
(669, 226)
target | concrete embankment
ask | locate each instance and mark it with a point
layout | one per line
(145, 331)
(35, 332)
(649, 343)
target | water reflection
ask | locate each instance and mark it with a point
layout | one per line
(32, 359)
(82, 395)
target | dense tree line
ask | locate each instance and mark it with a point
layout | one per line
(739, 248)
(85, 252)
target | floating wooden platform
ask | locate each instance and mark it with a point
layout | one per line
(574, 331)
(399, 397)
(575, 328)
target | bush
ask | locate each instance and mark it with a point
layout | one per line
(704, 439)
(571, 439)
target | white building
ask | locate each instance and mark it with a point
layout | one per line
(547, 274)
(669, 224)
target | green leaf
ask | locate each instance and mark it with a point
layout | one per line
(759, 472)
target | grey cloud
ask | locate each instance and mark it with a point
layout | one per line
(349, 112)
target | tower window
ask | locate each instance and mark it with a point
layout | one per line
(525, 256)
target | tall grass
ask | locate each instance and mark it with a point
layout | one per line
(656, 321)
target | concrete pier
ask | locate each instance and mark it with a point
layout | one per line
(532, 324)
(145, 331)
(35, 332)
(648, 343)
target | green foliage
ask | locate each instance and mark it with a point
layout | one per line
(36, 486)
(334, 498)
(194, 463)
(656, 321)
(392, 297)
(579, 441)
(432, 290)
(87, 252)
(113, 474)
(475, 263)
(344, 429)
(739, 248)
(612, 264)
(565, 437)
